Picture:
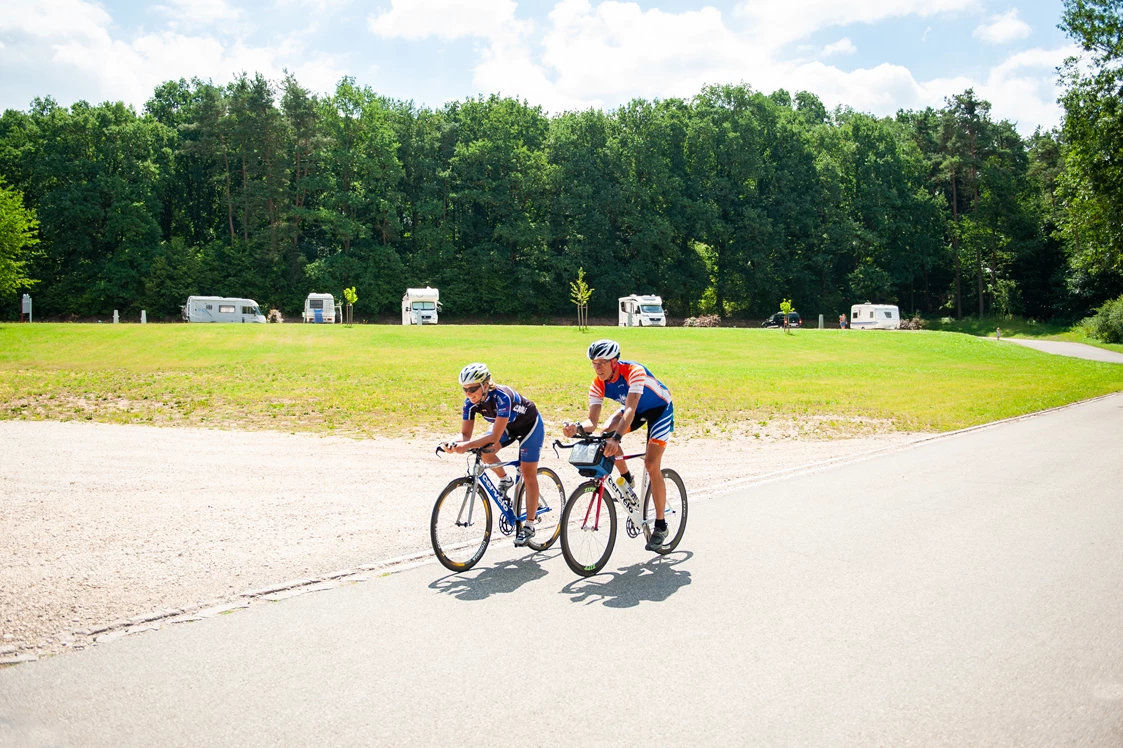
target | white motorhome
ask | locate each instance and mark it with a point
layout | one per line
(874, 317)
(420, 306)
(221, 309)
(321, 307)
(642, 311)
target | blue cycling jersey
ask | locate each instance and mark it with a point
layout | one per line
(631, 377)
(504, 402)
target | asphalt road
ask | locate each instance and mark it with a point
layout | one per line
(1074, 350)
(966, 591)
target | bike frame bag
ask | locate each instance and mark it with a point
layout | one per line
(590, 460)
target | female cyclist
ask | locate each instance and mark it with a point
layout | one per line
(512, 417)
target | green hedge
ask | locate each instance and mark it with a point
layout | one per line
(1107, 324)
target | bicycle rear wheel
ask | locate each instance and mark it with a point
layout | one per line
(461, 525)
(588, 529)
(551, 501)
(675, 514)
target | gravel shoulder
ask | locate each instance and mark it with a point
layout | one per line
(100, 523)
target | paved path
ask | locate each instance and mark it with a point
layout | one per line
(962, 592)
(1076, 350)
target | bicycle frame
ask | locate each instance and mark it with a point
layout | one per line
(478, 472)
(635, 513)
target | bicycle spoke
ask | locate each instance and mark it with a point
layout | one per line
(675, 513)
(588, 544)
(551, 502)
(460, 527)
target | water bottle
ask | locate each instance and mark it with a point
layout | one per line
(626, 489)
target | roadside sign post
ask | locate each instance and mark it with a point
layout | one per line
(25, 307)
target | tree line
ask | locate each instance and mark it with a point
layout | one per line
(724, 203)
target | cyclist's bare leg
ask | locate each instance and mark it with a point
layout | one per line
(491, 458)
(530, 480)
(614, 425)
(653, 462)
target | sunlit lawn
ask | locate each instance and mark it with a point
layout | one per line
(392, 380)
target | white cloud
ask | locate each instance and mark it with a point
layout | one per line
(200, 13)
(1024, 88)
(606, 54)
(444, 19)
(54, 19)
(842, 47)
(72, 41)
(1003, 29)
(315, 7)
(777, 23)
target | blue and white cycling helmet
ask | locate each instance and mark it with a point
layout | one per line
(474, 374)
(604, 349)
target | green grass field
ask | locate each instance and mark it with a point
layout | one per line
(392, 380)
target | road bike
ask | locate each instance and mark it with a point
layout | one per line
(588, 522)
(460, 527)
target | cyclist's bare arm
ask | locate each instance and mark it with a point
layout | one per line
(589, 425)
(620, 425)
(466, 429)
(491, 437)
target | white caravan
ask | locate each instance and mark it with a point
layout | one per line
(420, 306)
(874, 317)
(320, 307)
(642, 311)
(221, 309)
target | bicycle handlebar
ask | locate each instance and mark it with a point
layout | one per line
(477, 451)
(591, 439)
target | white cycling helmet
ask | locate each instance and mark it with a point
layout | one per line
(604, 349)
(474, 373)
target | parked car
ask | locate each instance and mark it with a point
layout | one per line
(777, 320)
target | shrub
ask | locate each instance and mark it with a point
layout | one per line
(1107, 324)
(704, 320)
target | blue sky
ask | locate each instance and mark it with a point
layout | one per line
(872, 55)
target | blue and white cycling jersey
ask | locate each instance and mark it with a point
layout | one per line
(504, 402)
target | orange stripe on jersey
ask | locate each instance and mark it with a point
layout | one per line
(596, 392)
(635, 375)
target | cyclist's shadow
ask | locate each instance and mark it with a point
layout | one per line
(653, 581)
(504, 577)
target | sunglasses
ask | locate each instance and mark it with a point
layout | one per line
(473, 390)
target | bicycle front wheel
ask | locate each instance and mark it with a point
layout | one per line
(551, 501)
(461, 525)
(588, 529)
(675, 514)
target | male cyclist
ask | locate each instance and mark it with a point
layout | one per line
(511, 417)
(645, 400)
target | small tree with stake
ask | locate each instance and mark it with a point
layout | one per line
(579, 293)
(352, 297)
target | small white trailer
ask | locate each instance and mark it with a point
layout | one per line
(321, 307)
(420, 306)
(221, 309)
(875, 317)
(642, 311)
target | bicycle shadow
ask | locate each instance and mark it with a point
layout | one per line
(503, 578)
(651, 581)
